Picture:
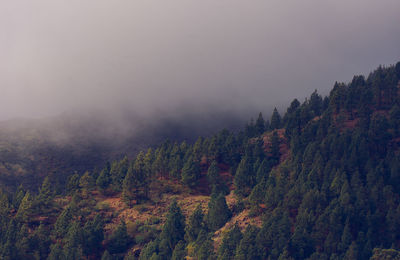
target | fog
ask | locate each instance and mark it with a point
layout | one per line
(152, 57)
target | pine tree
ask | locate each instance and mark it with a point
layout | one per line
(45, 197)
(204, 246)
(106, 256)
(275, 120)
(56, 252)
(18, 196)
(73, 241)
(191, 172)
(86, 183)
(229, 243)
(247, 248)
(243, 177)
(104, 180)
(218, 212)
(73, 183)
(179, 252)
(25, 209)
(260, 124)
(195, 224)
(275, 149)
(173, 230)
(128, 186)
(63, 221)
(93, 236)
(119, 240)
(214, 179)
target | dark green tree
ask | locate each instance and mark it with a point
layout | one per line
(119, 240)
(275, 120)
(218, 212)
(229, 243)
(260, 124)
(195, 225)
(191, 172)
(173, 230)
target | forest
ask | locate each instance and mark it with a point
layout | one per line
(320, 181)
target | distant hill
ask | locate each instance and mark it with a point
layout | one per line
(58, 146)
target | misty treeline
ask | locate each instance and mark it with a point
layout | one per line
(324, 178)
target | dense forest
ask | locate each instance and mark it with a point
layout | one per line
(321, 181)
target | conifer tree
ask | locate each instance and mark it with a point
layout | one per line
(106, 256)
(204, 246)
(214, 179)
(275, 120)
(18, 196)
(25, 209)
(73, 241)
(104, 180)
(73, 183)
(247, 248)
(93, 236)
(173, 230)
(243, 177)
(119, 240)
(229, 243)
(179, 252)
(191, 172)
(45, 196)
(218, 212)
(128, 186)
(148, 162)
(260, 124)
(86, 183)
(275, 148)
(56, 252)
(62, 223)
(195, 224)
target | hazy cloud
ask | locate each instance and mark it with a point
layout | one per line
(149, 56)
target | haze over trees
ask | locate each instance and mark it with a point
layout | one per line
(320, 181)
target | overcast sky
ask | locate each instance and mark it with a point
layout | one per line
(148, 55)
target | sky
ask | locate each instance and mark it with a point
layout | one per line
(149, 56)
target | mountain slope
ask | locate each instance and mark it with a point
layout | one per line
(321, 182)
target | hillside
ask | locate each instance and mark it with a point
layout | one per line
(59, 146)
(320, 182)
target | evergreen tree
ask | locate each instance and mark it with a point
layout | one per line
(260, 124)
(93, 236)
(119, 240)
(195, 224)
(173, 229)
(104, 180)
(56, 252)
(179, 252)
(275, 120)
(106, 256)
(45, 196)
(218, 212)
(25, 209)
(86, 183)
(18, 196)
(214, 179)
(73, 183)
(229, 243)
(244, 177)
(247, 248)
(63, 221)
(275, 149)
(191, 172)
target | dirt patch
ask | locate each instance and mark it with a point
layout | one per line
(242, 220)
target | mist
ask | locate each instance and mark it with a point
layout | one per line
(160, 58)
